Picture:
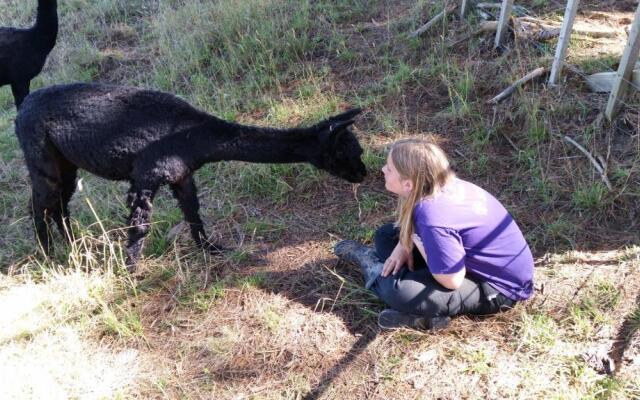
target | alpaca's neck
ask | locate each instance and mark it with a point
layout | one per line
(47, 20)
(229, 141)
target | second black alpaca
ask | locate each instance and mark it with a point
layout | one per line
(23, 52)
(151, 139)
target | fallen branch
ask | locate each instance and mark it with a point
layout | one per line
(449, 8)
(546, 34)
(597, 166)
(509, 91)
(533, 29)
(504, 135)
(488, 26)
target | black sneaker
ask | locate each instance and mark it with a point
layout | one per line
(363, 256)
(392, 319)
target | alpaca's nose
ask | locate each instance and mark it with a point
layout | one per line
(359, 177)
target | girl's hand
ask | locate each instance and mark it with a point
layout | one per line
(399, 257)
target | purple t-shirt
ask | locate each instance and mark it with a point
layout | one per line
(465, 226)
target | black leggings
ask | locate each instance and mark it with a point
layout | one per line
(417, 292)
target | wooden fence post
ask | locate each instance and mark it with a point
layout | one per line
(563, 41)
(627, 62)
(503, 24)
(463, 8)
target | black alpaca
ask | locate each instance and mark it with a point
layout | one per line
(150, 139)
(24, 51)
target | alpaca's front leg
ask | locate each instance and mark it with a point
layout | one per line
(186, 193)
(140, 202)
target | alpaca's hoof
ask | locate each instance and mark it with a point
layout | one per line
(213, 248)
(131, 266)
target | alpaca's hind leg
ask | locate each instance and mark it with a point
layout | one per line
(187, 195)
(140, 203)
(44, 165)
(20, 90)
(61, 214)
(44, 199)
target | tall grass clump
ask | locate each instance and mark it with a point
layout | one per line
(230, 51)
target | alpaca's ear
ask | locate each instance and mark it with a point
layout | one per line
(331, 122)
(338, 127)
(347, 115)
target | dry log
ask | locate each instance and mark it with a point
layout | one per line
(509, 91)
(449, 8)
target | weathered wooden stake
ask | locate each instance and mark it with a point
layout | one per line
(563, 41)
(503, 24)
(463, 8)
(627, 62)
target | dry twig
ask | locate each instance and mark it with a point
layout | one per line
(593, 161)
(449, 8)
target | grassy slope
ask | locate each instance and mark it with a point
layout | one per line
(277, 317)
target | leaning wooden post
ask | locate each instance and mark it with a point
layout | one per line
(463, 8)
(503, 24)
(627, 62)
(563, 41)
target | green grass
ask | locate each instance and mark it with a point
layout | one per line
(478, 363)
(123, 322)
(371, 202)
(634, 321)
(561, 230)
(157, 242)
(348, 226)
(257, 280)
(193, 296)
(374, 160)
(538, 333)
(593, 308)
(460, 86)
(605, 63)
(590, 197)
(220, 63)
(264, 228)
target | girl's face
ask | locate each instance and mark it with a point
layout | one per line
(393, 182)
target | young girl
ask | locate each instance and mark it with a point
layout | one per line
(454, 249)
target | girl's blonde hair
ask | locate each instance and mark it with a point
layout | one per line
(427, 167)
